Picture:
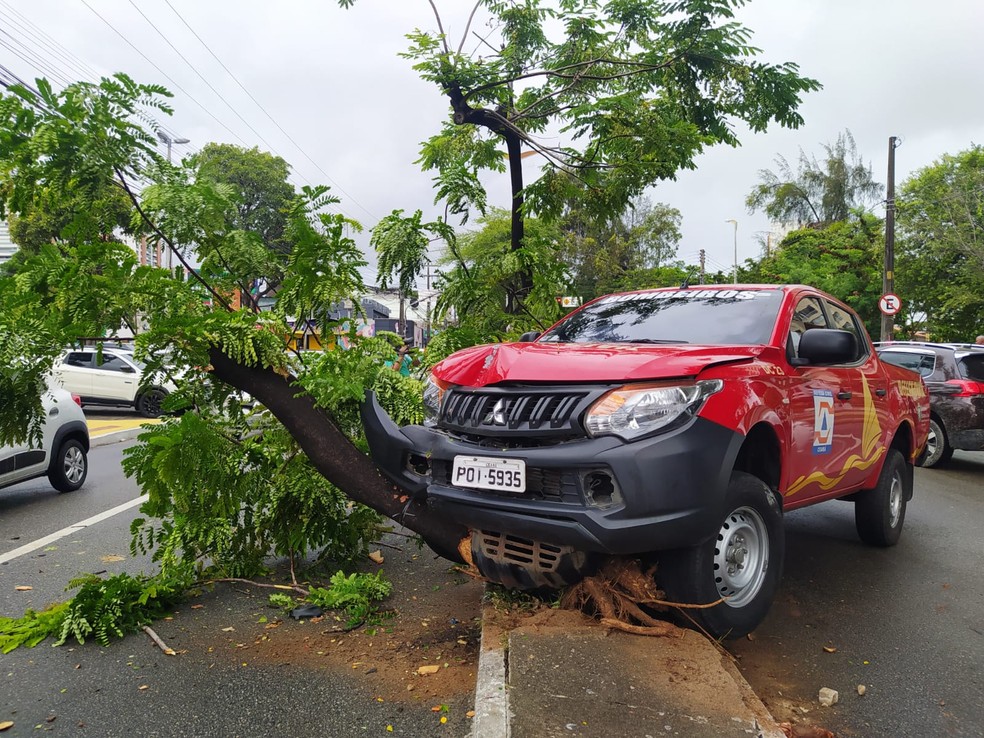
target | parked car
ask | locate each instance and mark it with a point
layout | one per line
(954, 376)
(63, 453)
(675, 425)
(112, 376)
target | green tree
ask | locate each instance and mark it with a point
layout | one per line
(844, 259)
(401, 244)
(196, 469)
(477, 270)
(625, 253)
(636, 90)
(261, 192)
(816, 193)
(940, 268)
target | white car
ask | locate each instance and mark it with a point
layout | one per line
(112, 378)
(62, 455)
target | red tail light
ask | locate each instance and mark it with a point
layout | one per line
(76, 399)
(964, 388)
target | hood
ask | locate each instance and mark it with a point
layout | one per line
(583, 362)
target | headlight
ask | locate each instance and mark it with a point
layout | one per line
(433, 394)
(637, 410)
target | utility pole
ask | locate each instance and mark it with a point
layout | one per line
(168, 140)
(735, 224)
(702, 264)
(888, 276)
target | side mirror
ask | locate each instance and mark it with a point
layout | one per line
(529, 336)
(828, 346)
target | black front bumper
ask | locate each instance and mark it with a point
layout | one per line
(668, 489)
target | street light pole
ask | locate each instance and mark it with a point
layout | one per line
(735, 224)
(168, 140)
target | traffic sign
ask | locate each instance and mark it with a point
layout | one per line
(889, 303)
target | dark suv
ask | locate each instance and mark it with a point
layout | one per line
(954, 376)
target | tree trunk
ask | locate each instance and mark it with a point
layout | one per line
(334, 456)
(465, 114)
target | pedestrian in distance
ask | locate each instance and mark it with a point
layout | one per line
(980, 341)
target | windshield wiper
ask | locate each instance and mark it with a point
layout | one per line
(654, 340)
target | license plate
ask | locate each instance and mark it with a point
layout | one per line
(483, 472)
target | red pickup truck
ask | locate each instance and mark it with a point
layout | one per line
(672, 424)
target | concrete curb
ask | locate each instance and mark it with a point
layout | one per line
(105, 439)
(491, 693)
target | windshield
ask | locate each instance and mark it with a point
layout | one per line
(674, 316)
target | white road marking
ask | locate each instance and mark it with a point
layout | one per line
(81, 525)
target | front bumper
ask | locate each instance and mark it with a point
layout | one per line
(667, 491)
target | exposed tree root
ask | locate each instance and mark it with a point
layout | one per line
(618, 594)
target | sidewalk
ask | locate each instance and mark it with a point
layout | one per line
(565, 677)
(561, 675)
(102, 432)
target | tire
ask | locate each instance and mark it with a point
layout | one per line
(742, 563)
(149, 403)
(69, 466)
(938, 448)
(879, 513)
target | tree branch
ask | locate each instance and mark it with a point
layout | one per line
(160, 234)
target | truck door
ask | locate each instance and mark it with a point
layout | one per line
(827, 408)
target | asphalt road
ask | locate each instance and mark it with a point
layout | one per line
(213, 687)
(907, 622)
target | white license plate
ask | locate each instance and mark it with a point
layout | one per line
(483, 472)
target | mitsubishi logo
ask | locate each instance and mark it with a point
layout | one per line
(498, 414)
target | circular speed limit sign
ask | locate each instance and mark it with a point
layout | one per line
(889, 304)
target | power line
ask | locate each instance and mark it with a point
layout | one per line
(66, 54)
(201, 76)
(272, 119)
(31, 58)
(60, 65)
(165, 74)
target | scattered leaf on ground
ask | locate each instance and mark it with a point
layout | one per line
(6, 725)
(111, 559)
(23, 588)
(429, 669)
(376, 556)
(830, 649)
(230, 629)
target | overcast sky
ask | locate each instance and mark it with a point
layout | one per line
(326, 90)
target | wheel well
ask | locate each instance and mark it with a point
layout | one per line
(147, 390)
(73, 431)
(77, 434)
(903, 440)
(759, 455)
(939, 420)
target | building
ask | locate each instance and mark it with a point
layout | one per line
(7, 247)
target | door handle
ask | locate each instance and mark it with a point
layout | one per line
(881, 392)
(844, 395)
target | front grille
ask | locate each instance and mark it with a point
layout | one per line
(546, 485)
(512, 410)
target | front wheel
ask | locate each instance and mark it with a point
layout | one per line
(880, 512)
(741, 565)
(69, 467)
(938, 448)
(149, 403)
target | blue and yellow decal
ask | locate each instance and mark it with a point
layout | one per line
(823, 421)
(872, 449)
